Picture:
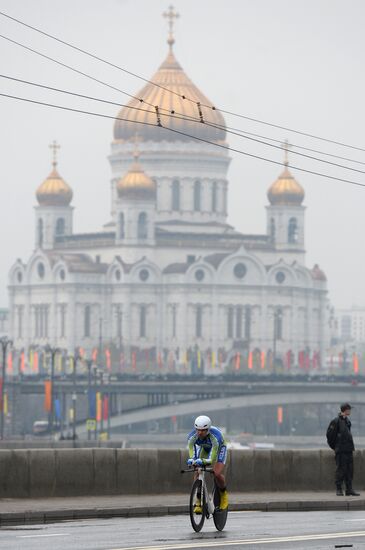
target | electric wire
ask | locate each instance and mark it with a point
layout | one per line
(220, 145)
(237, 133)
(211, 107)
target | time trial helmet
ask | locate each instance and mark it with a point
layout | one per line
(202, 423)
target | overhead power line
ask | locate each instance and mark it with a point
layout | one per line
(237, 133)
(211, 107)
(220, 145)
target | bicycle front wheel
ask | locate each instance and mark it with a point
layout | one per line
(197, 506)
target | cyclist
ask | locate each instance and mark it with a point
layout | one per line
(207, 446)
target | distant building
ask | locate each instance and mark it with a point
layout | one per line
(168, 283)
(351, 324)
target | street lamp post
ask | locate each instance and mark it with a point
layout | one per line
(77, 357)
(5, 343)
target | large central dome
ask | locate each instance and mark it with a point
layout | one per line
(171, 77)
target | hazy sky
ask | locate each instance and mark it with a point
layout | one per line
(297, 64)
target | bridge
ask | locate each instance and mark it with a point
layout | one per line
(139, 400)
(241, 396)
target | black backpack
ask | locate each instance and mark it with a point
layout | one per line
(332, 432)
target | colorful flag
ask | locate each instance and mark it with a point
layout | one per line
(98, 407)
(262, 359)
(237, 364)
(105, 407)
(108, 359)
(355, 361)
(47, 396)
(10, 363)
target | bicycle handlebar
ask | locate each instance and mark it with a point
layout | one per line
(195, 468)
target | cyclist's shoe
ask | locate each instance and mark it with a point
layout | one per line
(224, 500)
(198, 508)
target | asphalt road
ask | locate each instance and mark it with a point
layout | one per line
(257, 530)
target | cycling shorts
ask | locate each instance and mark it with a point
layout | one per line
(222, 454)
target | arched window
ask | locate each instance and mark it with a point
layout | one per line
(87, 321)
(230, 315)
(199, 321)
(272, 230)
(142, 226)
(175, 202)
(197, 196)
(121, 226)
(278, 324)
(248, 318)
(60, 226)
(292, 231)
(214, 196)
(40, 232)
(142, 321)
(239, 315)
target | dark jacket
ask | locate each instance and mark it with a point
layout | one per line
(344, 441)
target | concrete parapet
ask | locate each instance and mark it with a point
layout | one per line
(77, 472)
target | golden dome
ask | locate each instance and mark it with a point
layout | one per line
(286, 191)
(170, 76)
(54, 191)
(136, 184)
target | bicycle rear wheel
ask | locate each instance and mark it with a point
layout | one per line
(196, 496)
(219, 516)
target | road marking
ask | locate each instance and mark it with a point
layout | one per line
(46, 535)
(200, 544)
(361, 519)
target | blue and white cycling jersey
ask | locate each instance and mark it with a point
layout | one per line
(211, 449)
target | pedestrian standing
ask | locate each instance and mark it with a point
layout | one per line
(344, 449)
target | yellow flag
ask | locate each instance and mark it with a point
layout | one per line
(199, 359)
(72, 364)
(213, 360)
(5, 404)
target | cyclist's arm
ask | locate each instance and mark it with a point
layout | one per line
(192, 447)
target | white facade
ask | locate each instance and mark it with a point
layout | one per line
(187, 285)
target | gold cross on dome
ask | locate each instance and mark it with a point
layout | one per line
(171, 14)
(286, 146)
(54, 146)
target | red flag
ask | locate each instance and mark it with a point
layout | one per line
(10, 362)
(237, 361)
(105, 407)
(250, 364)
(108, 360)
(22, 361)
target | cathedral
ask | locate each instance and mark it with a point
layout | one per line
(167, 285)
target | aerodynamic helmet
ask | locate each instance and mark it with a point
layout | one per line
(202, 423)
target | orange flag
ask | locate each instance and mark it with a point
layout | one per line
(47, 396)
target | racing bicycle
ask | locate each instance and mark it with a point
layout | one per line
(205, 491)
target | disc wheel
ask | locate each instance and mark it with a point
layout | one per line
(197, 520)
(219, 516)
